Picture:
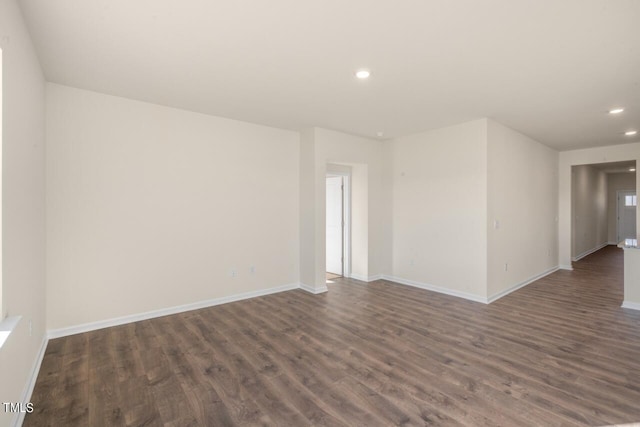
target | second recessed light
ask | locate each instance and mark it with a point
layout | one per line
(630, 132)
(616, 110)
(363, 74)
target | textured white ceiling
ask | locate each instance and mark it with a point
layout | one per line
(549, 69)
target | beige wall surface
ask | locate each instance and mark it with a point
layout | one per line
(589, 208)
(150, 207)
(615, 183)
(632, 277)
(522, 208)
(23, 236)
(439, 216)
(308, 211)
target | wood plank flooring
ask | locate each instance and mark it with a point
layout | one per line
(332, 276)
(560, 351)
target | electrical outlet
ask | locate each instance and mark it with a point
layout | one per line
(506, 266)
(252, 269)
(233, 273)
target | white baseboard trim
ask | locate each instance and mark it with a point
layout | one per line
(72, 330)
(589, 252)
(565, 267)
(433, 288)
(314, 290)
(366, 278)
(631, 305)
(522, 284)
(468, 296)
(18, 418)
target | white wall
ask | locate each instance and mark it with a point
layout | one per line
(439, 184)
(23, 237)
(615, 183)
(151, 207)
(361, 249)
(632, 279)
(522, 197)
(308, 210)
(589, 208)
(614, 153)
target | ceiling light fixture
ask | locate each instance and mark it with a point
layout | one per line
(363, 74)
(616, 111)
(632, 169)
(630, 132)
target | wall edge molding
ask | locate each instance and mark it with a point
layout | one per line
(366, 278)
(590, 251)
(100, 324)
(18, 418)
(521, 284)
(314, 289)
(433, 288)
(565, 267)
(631, 305)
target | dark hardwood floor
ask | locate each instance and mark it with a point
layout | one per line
(560, 351)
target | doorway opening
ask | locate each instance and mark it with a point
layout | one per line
(338, 220)
(603, 206)
(626, 214)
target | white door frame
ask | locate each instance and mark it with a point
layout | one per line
(346, 218)
(618, 211)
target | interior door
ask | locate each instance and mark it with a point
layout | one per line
(627, 205)
(334, 225)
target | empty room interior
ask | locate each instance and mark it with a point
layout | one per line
(319, 213)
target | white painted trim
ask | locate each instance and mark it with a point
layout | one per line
(589, 252)
(613, 243)
(314, 290)
(565, 267)
(358, 277)
(631, 305)
(344, 171)
(522, 284)
(433, 288)
(18, 417)
(72, 330)
(366, 278)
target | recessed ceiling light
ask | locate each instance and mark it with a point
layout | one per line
(630, 132)
(616, 111)
(632, 169)
(363, 74)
